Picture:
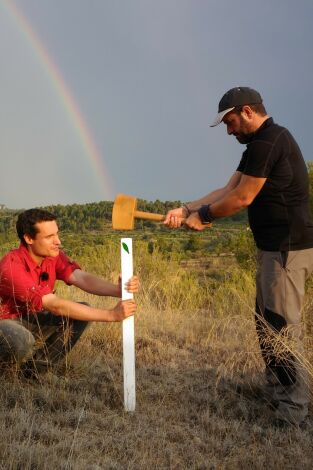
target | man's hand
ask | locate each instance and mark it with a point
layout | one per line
(194, 222)
(132, 286)
(123, 309)
(174, 218)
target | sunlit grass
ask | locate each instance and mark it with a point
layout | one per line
(198, 372)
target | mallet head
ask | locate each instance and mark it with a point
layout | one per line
(123, 214)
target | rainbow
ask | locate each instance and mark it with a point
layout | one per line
(63, 92)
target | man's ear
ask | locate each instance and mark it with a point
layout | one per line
(28, 239)
(247, 111)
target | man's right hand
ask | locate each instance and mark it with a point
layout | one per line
(175, 217)
(123, 309)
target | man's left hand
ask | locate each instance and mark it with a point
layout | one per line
(194, 222)
(132, 285)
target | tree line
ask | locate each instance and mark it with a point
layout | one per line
(94, 216)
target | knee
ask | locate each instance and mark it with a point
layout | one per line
(16, 342)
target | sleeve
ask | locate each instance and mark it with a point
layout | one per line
(18, 287)
(258, 159)
(65, 267)
(242, 162)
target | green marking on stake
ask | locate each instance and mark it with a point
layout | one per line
(125, 247)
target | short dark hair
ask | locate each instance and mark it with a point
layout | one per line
(27, 220)
(258, 108)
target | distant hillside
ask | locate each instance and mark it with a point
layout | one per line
(97, 215)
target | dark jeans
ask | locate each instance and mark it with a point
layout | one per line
(38, 341)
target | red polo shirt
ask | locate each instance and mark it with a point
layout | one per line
(23, 282)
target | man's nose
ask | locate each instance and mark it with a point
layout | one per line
(229, 130)
(57, 240)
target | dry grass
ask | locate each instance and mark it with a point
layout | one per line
(198, 401)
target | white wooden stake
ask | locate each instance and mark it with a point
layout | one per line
(128, 329)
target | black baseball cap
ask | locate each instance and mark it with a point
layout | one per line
(238, 96)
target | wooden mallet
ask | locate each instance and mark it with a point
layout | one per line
(125, 212)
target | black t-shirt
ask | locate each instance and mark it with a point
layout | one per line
(279, 216)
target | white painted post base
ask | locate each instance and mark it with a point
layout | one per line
(128, 329)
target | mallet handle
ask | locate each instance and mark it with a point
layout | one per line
(149, 216)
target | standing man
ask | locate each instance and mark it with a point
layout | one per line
(271, 180)
(38, 328)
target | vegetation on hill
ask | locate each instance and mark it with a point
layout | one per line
(97, 216)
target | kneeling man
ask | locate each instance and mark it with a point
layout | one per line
(38, 328)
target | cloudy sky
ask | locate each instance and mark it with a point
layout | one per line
(107, 96)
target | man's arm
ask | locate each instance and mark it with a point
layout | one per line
(76, 311)
(233, 201)
(98, 286)
(239, 198)
(216, 194)
(174, 217)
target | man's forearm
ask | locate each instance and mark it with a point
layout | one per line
(217, 194)
(228, 205)
(101, 287)
(77, 311)
(208, 199)
(238, 198)
(94, 284)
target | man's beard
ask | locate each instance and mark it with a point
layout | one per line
(245, 135)
(245, 138)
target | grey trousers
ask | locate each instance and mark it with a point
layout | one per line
(280, 284)
(39, 341)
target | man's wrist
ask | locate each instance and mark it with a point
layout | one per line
(119, 291)
(186, 209)
(205, 214)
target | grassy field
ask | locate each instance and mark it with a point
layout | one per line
(198, 375)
